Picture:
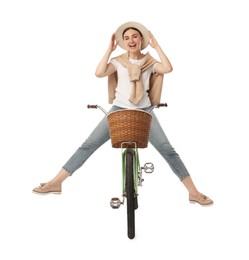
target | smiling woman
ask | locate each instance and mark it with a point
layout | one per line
(135, 81)
(139, 29)
(133, 39)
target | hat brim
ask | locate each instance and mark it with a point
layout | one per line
(140, 27)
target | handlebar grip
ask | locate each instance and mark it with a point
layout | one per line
(92, 106)
(162, 105)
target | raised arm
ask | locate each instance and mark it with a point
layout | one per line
(165, 65)
(105, 68)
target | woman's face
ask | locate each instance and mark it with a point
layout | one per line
(132, 40)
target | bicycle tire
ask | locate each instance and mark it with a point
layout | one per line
(130, 192)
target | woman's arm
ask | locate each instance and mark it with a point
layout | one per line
(165, 65)
(105, 68)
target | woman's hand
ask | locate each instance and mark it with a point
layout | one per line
(105, 68)
(113, 43)
(152, 42)
(164, 66)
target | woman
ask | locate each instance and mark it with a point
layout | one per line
(134, 81)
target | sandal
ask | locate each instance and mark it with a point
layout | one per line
(203, 200)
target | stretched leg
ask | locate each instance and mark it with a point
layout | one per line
(160, 141)
(98, 137)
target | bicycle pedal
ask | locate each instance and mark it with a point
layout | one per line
(115, 203)
(148, 167)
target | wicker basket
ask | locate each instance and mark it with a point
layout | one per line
(129, 126)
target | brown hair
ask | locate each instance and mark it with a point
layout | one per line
(133, 28)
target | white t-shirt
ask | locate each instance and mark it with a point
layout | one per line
(123, 89)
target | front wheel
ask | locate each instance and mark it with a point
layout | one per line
(130, 192)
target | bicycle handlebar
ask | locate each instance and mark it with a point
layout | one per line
(155, 106)
(96, 106)
(92, 106)
(162, 105)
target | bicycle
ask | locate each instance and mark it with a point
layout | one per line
(129, 130)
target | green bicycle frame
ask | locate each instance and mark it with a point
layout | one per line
(136, 170)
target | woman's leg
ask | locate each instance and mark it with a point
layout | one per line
(98, 137)
(160, 141)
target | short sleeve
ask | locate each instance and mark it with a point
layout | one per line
(114, 62)
(153, 69)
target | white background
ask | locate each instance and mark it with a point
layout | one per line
(48, 54)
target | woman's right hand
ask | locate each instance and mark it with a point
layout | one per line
(113, 43)
(105, 68)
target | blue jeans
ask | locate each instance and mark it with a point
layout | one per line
(100, 135)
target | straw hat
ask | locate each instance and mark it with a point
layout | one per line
(139, 26)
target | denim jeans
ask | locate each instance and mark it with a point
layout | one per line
(100, 135)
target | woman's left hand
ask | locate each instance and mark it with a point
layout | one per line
(152, 42)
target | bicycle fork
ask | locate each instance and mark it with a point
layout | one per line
(148, 167)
